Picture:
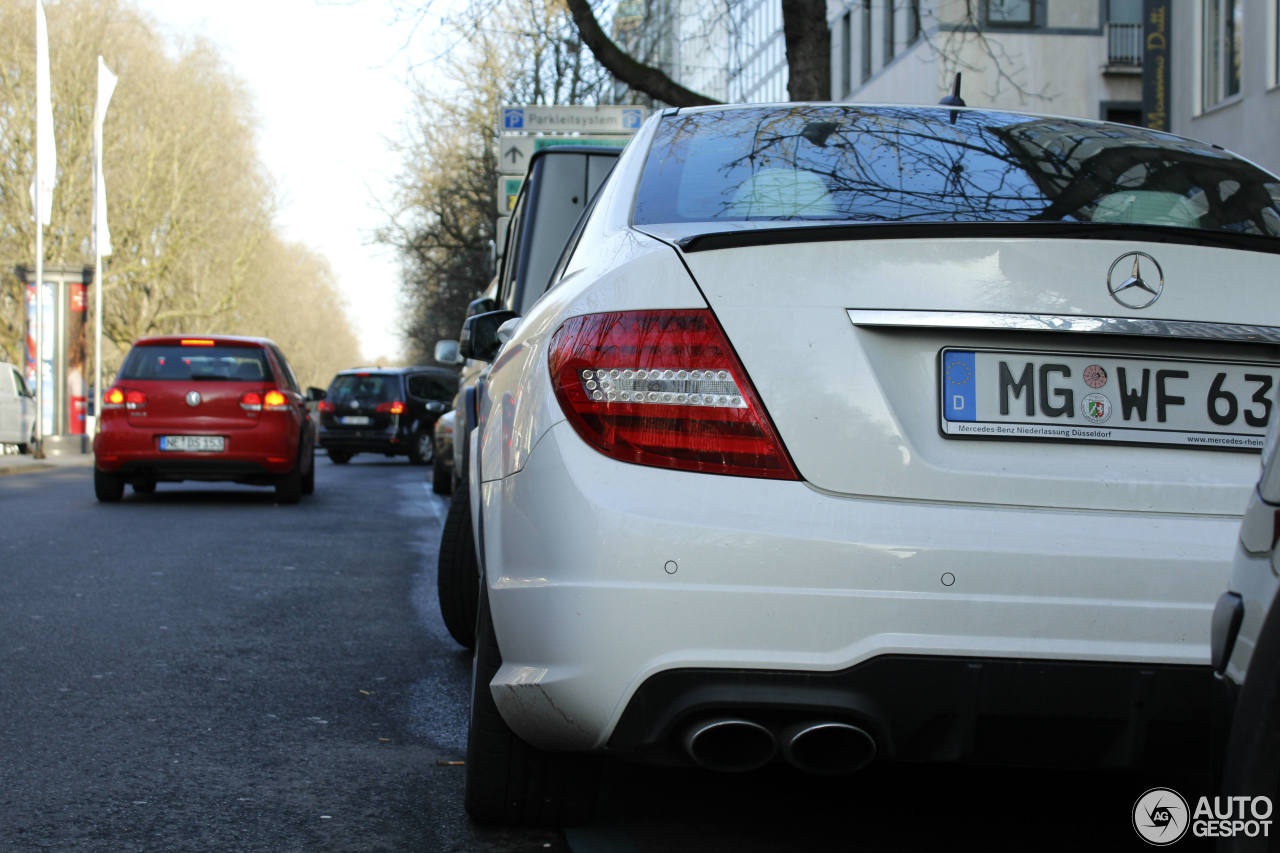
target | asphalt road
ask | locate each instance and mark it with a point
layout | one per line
(204, 670)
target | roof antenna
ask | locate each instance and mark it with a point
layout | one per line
(954, 99)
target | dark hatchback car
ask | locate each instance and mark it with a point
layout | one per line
(387, 410)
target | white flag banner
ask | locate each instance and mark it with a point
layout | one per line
(46, 149)
(101, 233)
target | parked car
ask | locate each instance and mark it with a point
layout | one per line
(210, 408)
(442, 468)
(1246, 646)
(387, 410)
(560, 185)
(850, 432)
(17, 409)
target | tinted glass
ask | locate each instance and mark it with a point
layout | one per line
(365, 388)
(217, 364)
(428, 386)
(933, 165)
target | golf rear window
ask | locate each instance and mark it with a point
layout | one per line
(935, 165)
(202, 364)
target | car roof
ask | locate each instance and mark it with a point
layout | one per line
(176, 340)
(419, 368)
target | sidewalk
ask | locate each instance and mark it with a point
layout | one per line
(24, 463)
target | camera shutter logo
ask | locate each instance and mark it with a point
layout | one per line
(1161, 817)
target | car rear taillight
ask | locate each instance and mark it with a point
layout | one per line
(394, 408)
(124, 398)
(325, 406)
(664, 388)
(275, 401)
(251, 401)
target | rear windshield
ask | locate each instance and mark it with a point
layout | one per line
(214, 364)
(934, 165)
(367, 388)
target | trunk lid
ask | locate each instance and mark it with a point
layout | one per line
(848, 342)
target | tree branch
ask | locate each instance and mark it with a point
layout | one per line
(643, 78)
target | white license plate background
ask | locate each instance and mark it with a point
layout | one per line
(354, 420)
(1093, 397)
(192, 443)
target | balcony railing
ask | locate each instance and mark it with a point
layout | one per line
(1124, 44)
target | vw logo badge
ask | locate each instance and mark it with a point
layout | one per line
(193, 398)
(1135, 280)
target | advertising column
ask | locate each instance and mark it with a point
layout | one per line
(57, 375)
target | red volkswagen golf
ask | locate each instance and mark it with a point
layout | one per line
(207, 408)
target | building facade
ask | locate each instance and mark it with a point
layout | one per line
(1208, 69)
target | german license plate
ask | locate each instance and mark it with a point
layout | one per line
(354, 420)
(192, 443)
(1107, 398)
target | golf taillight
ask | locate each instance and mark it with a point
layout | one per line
(664, 388)
(251, 401)
(274, 401)
(124, 398)
(395, 407)
(325, 406)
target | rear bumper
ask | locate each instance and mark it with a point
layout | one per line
(364, 441)
(603, 575)
(254, 455)
(988, 711)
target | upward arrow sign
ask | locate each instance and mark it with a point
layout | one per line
(513, 153)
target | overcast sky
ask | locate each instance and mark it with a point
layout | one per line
(328, 79)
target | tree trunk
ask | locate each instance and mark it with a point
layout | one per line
(808, 38)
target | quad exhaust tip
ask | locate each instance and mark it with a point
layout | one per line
(730, 745)
(827, 748)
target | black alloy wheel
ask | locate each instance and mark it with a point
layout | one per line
(421, 446)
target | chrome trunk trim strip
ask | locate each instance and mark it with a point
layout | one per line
(1133, 326)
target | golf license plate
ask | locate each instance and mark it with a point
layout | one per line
(354, 420)
(192, 443)
(1216, 405)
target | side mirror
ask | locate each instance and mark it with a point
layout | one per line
(483, 305)
(479, 338)
(435, 407)
(447, 352)
(315, 395)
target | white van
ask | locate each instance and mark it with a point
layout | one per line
(17, 409)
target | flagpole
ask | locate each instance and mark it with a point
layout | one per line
(101, 234)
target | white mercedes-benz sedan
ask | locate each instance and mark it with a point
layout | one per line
(849, 433)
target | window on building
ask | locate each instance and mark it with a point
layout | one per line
(866, 40)
(913, 20)
(1010, 12)
(888, 30)
(1222, 22)
(846, 54)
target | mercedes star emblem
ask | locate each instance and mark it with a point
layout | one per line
(193, 398)
(1135, 290)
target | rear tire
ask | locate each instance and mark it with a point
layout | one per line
(340, 457)
(421, 446)
(107, 487)
(508, 781)
(289, 487)
(457, 572)
(309, 478)
(440, 479)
